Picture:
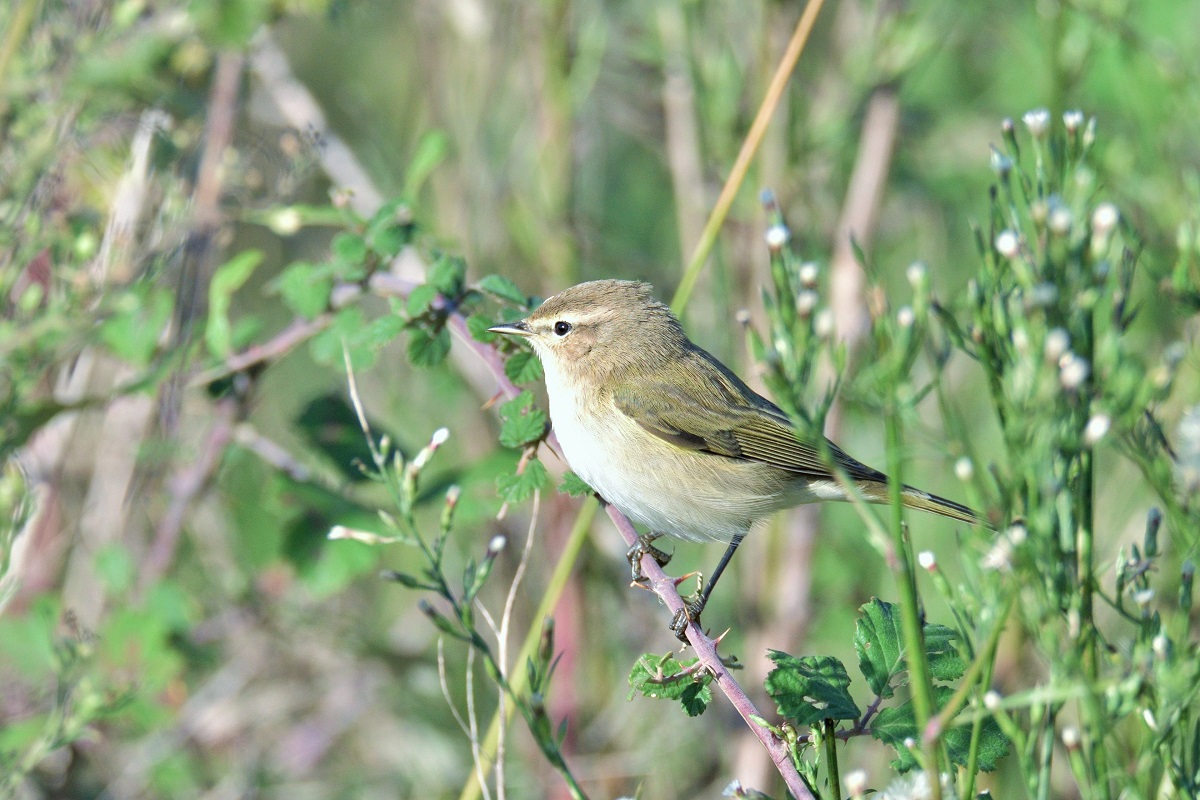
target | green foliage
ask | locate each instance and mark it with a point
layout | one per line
(810, 689)
(521, 422)
(668, 678)
(574, 486)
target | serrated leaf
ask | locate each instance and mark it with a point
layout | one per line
(350, 253)
(878, 640)
(447, 274)
(503, 288)
(521, 422)
(574, 486)
(477, 326)
(427, 349)
(649, 675)
(420, 299)
(522, 367)
(893, 725)
(695, 698)
(945, 663)
(810, 689)
(305, 288)
(229, 277)
(516, 488)
(134, 332)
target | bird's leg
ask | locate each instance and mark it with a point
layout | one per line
(645, 547)
(691, 609)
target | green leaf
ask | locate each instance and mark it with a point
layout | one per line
(229, 277)
(115, 567)
(573, 485)
(523, 367)
(893, 725)
(390, 228)
(350, 255)
(514, 488)
(133, 332)
(945, 663)
(810, 689)
(305, 288)
(521, 422)
(650, 677)
(447, 274)
(879, 642)
(477, 326)
(430, 152)
(326, 347)
(503, 288)
(420, 299)
(427, 349)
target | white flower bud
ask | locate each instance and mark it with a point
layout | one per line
(1143, 597)
(806, 302)
(777, 236)
(855, 782)
(1097, 426)
(1017, 534)
(1161, 646)
(439, 437)
(1020, 340)
(964, 469)
(1070, 737)
(1060, 220)
(991, 700)
(1104, 219)
(809, 273)
(1038, 122)
(452, 494)
(1072, 371)
(916, 274)
(1058, 341)
(927, 560)
(496, 545)
(905, 317)
(1008, 244)
(823, 323)
(1148, 716)
(1072, 120)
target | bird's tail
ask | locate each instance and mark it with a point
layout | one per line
(924, 501)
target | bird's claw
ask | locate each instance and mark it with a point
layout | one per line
(645, 547)
(685, 616)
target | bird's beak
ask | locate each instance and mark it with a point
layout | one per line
(518, 328)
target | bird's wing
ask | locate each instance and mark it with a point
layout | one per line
(725, 417)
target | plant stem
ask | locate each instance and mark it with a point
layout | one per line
(835, 779)
(737, 175)
(520, 677)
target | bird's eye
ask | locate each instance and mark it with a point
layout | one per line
(562, 328)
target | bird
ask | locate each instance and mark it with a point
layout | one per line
(670, 436)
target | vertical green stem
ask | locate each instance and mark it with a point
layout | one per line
(835, 778)
(910, 615)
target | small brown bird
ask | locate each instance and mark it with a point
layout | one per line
(668, 434)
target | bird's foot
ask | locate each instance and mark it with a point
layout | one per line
(645, 547)
(692, 606)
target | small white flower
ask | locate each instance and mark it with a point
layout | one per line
(908, 787)
(806, 302)
(1017, 534)
(439, 437)
(1038, 122)
(999, 558)
(1020, 340)
(1060, 220)
(964, 469)
(1072, 120)
(809, 272)
(992, 700)
(1058, 342)
(823, 323)
(496, 544)
(1070, 737)
(905, 317)
(1161, 646)
(1143, 597)
(1072, 371)
(777, 236)
(452, 494)
(1104, 219)
(855, 782)
(927, 560)
(1097, 426)
(916, 274)
(1008, 244)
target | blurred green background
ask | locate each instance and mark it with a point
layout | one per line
(206, 637)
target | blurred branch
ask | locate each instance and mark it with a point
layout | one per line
(737, 175)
